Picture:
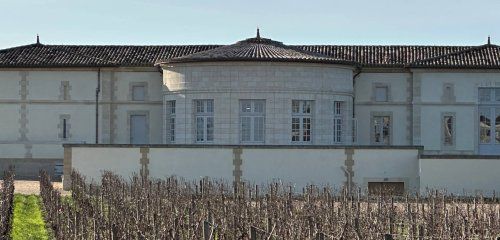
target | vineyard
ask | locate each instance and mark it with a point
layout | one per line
(6, 204)
(142, 208)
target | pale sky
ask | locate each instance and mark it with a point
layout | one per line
(164, 22)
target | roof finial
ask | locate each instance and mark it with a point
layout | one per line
(258, 33)
(489, 40)
(37, 39)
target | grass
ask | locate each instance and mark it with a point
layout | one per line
(28, 221)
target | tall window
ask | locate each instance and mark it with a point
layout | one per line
(381, 130)
(252, 117)
(170, 118)
(302, 120)
(448, 130)
(204, 115)
(65, 129)
(484, 125)
(338, 121)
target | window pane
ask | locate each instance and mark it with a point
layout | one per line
(448, 130)
(338, 107)
(245, 128)
(200, 129)
(210, 106)
(497, 94)
(172, 129)
(381, 128)
(199, 106)
(171, 107)
(484, 127)
(259, 129)
(246, 106)
(259, 106)
(306, 129)
(306, 107)
(387, 123)
(65, 135)
(337, 122)
(295, 129)
(295, 106)
(376, 130)
(210, 128)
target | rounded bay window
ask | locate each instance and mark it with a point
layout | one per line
(258, 91)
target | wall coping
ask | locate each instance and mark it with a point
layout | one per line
(79, 145)
(494, 157)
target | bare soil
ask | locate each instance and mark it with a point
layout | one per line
(33, 187)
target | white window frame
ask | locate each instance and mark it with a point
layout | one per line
(253, 111)
(339, 122)
(379, 128)
(302, 117)
(204, 115)
(448, 141)
(170, 116)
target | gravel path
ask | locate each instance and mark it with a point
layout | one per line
(33, 187)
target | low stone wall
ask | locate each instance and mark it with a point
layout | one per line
(28, 168)
(461, 175)
(301, 165)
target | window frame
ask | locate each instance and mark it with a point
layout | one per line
(373, 128)
(303, 118)
(444, 143)
(64, 127)
(204, 111)
(253, 115)
(339, 122)
(170, 121)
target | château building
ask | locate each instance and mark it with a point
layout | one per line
(443, 100)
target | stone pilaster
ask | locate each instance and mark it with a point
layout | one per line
(237, 162)
(349, 172)
(67, 168)
(416, 109)
(144, 161)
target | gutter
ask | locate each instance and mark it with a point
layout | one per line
(358, 72)
(97, 91)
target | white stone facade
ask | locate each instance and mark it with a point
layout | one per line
(33, 103)
(278, 84)
(38, 104)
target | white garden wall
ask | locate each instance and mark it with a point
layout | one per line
(466, 176)
(300, 165)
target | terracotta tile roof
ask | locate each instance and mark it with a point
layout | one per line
(259, 49)
(485, 56)
(383, 56)
(39, 55)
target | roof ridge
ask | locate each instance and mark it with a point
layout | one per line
(472, 48)
(126, 45)
(21, 46)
